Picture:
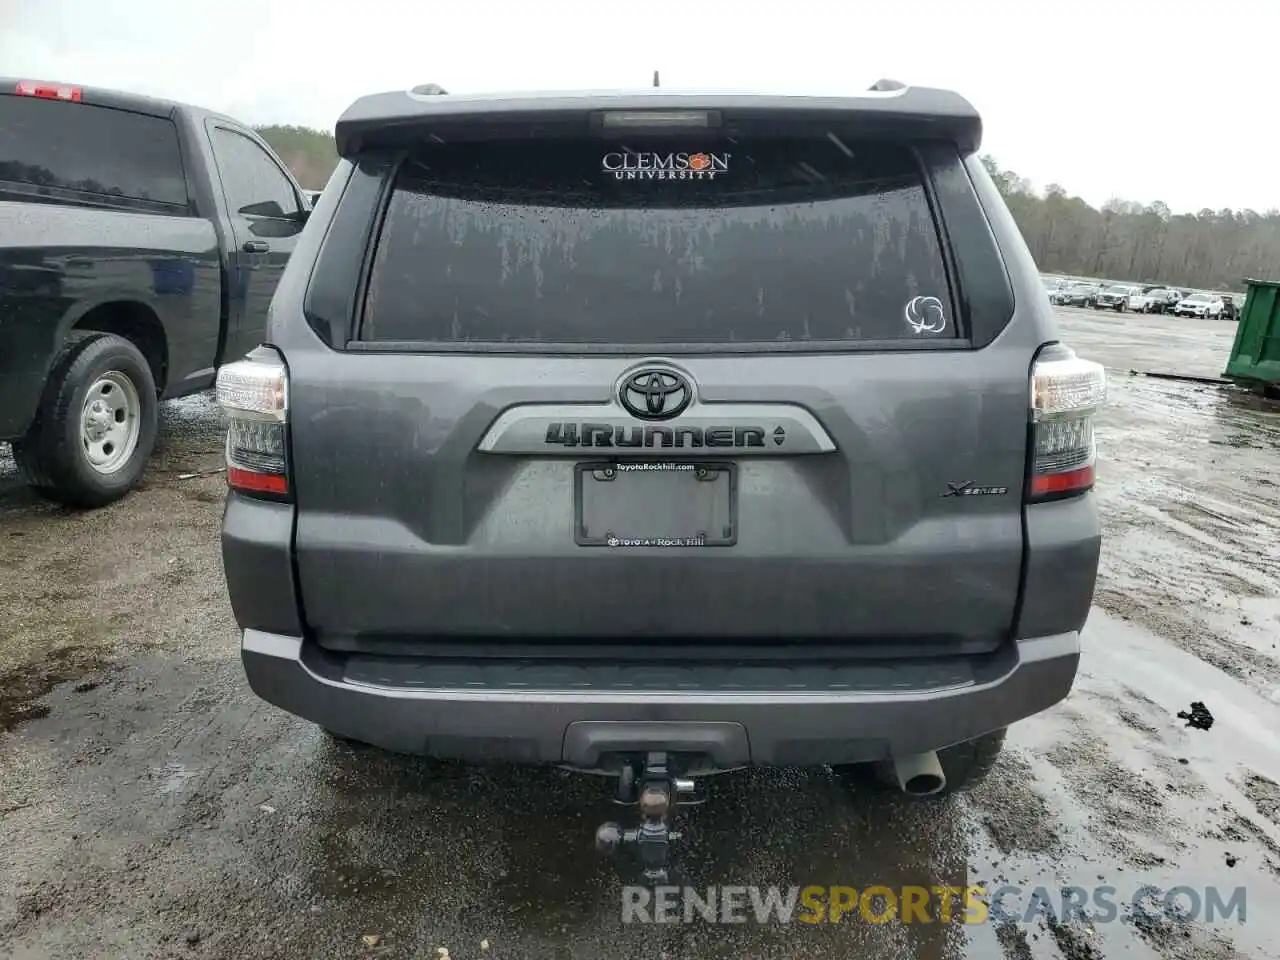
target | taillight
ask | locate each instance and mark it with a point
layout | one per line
(48, 91)
(1066, 393)
(254, 394)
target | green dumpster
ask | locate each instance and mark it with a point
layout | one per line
(1255, 355)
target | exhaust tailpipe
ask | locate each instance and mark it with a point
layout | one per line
(919, 774)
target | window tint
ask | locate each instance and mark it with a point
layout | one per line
(583, 241)
(249, 175)
(75, 146)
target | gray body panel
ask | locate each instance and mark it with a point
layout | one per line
(481, 543)
(426, 593)
(900, 710)
(917, 110)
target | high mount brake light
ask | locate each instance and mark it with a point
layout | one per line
(254, 395)
(1066, 394)
(656, 119)
(48, 91)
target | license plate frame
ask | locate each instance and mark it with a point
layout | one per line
(720, 496)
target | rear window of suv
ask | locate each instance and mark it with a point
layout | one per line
(583, 241)
(48, 146)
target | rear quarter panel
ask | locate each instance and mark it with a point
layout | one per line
(1064, 539)
(58, 262)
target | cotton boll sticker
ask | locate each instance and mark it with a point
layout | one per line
(924, 315)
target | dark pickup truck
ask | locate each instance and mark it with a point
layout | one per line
(140, 245)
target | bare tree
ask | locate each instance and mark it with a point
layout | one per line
(1212, 249)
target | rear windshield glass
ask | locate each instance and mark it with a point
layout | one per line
(54, 145)
(587, 241)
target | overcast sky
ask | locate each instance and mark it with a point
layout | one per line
(1143, 100)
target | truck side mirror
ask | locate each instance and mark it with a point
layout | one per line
(267, 208)
(271, 210)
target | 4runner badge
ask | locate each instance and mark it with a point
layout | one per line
(967, 489)
(573, 434)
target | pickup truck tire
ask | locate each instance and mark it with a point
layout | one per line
(965, 765)
(96, 425)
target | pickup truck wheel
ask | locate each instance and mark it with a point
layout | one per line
(96, 425)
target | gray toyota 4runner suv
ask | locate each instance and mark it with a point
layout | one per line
(656, 435)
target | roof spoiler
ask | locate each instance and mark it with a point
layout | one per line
(403, 117)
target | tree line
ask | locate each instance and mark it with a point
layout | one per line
(1121, 241)
(310, 154)
(1147, 243)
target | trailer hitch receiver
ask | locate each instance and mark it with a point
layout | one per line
(657, 791)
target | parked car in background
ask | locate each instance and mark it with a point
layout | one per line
(1208, 305)
(1136, 299)
(1159, 300)
(1230, 311)
(1114, 298)
(1139, 301)
(140, 245)
(1052, 285)
(1078, 295)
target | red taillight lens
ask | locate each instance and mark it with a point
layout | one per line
(1066, 393)
(1046, 484)
(48, 91)
(251, 481)
(254, 394)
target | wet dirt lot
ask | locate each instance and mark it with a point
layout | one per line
(151, 807)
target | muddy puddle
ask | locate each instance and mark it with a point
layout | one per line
(23, 687)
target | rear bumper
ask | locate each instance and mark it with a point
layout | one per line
(583, 717)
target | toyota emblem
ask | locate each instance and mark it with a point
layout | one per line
(655, 393)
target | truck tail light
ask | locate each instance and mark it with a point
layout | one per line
(254, 395)
(48, 91)
(1066, 394)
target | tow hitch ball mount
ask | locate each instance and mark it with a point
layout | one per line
(653, 786)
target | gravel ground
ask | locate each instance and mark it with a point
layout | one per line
(150, 806)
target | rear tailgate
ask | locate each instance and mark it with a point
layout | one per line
(556, 325)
